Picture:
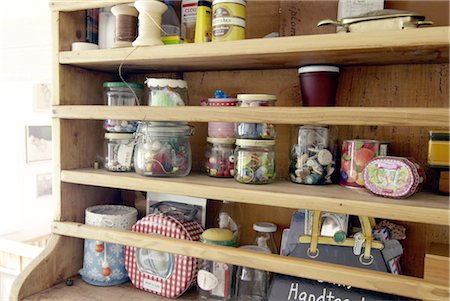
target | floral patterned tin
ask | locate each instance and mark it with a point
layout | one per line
(394, 177)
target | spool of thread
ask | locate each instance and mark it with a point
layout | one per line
(126, 25)
(79, 46)
(150, 13)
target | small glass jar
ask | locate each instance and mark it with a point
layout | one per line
(165, 92)
(121, 94)
(255, 161)
(220, 157)
(312, 160)
(119, 151)
(264, 236)
(163, 151)
(216, 279)
(255, 130)
(221, 129)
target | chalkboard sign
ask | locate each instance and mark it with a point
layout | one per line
(287, 288)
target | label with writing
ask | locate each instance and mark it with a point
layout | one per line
(152, 285)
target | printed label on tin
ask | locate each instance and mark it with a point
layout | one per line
(152, 285)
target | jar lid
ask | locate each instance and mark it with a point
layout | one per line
(241, 2)
(148, 128)
(265, 227)
(221, 140)
(122, 85)
(256, 97)
(222, 102)
(166, 82)
(219, 236)
(255, 248)
(119, 136)
(363, 141)
(318, 68)
(250, 142)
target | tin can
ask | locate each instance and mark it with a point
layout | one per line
(228, 21)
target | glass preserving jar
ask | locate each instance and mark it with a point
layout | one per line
(264, 236)
(220, 157)
(165, 92)
(119, 151)
(221, 129)
(255, 130)
(255, 161)
(163, 151)
(312, 161)
(121, 94)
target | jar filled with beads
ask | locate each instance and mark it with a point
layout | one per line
(165, 92)
(312, 160)
(255, 161)
(119, 151)
(163, 151)
(220, 157)
(255, 130)
(122, 94)
(220, 129)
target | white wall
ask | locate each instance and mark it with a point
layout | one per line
(25, 60)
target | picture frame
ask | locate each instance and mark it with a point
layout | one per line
(38, 143)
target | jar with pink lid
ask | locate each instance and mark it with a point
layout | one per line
(220, 129)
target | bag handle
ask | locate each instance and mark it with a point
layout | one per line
(187, 212)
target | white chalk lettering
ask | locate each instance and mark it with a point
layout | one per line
(303, 296)
(293, 290)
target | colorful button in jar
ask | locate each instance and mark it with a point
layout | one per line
(221, 129)
(119, 151)
(165, 92)
(312, 161)
(255, 161)
(355, 156)
(163, 151)
(255, 130)
(220, 157)
(122, 94)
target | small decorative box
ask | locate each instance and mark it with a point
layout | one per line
(393, 177)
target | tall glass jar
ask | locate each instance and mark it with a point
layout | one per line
(163, 151)
(166, 92)
(255, 130)
(255, 161)
(220, 157)
(312, 161)
(119, 151)
(122, 94)
(264, 236)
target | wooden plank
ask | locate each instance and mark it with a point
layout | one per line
(381, 116)
(437, 264)
(422, 207)
(19, 248)
(424, 45)
(355, 277)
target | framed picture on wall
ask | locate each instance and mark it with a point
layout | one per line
(38, 143)
(43, 184)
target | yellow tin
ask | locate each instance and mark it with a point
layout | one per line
(228, 22)
(439, 149)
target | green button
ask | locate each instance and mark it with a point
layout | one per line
(339, 236)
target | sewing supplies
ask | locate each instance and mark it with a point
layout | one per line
(255, 161)
(220, 157)
(255, 130)
(228, 21)
(126, 25)
(312, 161)
(167, 92)
(119, 151)
(150, 14)
(220, 129)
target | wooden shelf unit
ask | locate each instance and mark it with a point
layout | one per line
(412, 65)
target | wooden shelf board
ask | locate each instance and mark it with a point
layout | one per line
(422, 207)
(355, 277)
(422, 45)
(73, 5)
(82, 291)
(395, 116)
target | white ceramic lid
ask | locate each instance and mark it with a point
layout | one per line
(256, 97)
(318, 68)
(221, 140)
(265, 227)
(119, 136)
(250, 142)
(166, 82)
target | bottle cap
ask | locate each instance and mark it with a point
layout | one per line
(265, 227)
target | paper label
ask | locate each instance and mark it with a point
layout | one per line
(206, 280)
(152, 285)
(222, 272)
(125, 154)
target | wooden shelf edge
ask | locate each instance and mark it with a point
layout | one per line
(381, 116)
(370, 280)
(422, 45)
(73, 5)
(421, 208)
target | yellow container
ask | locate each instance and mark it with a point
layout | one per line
(228, 22)
(439, 149)
(204, 22)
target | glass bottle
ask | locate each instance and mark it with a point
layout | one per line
(264, 236)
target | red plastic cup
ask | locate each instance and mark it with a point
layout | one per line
(318, 85)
